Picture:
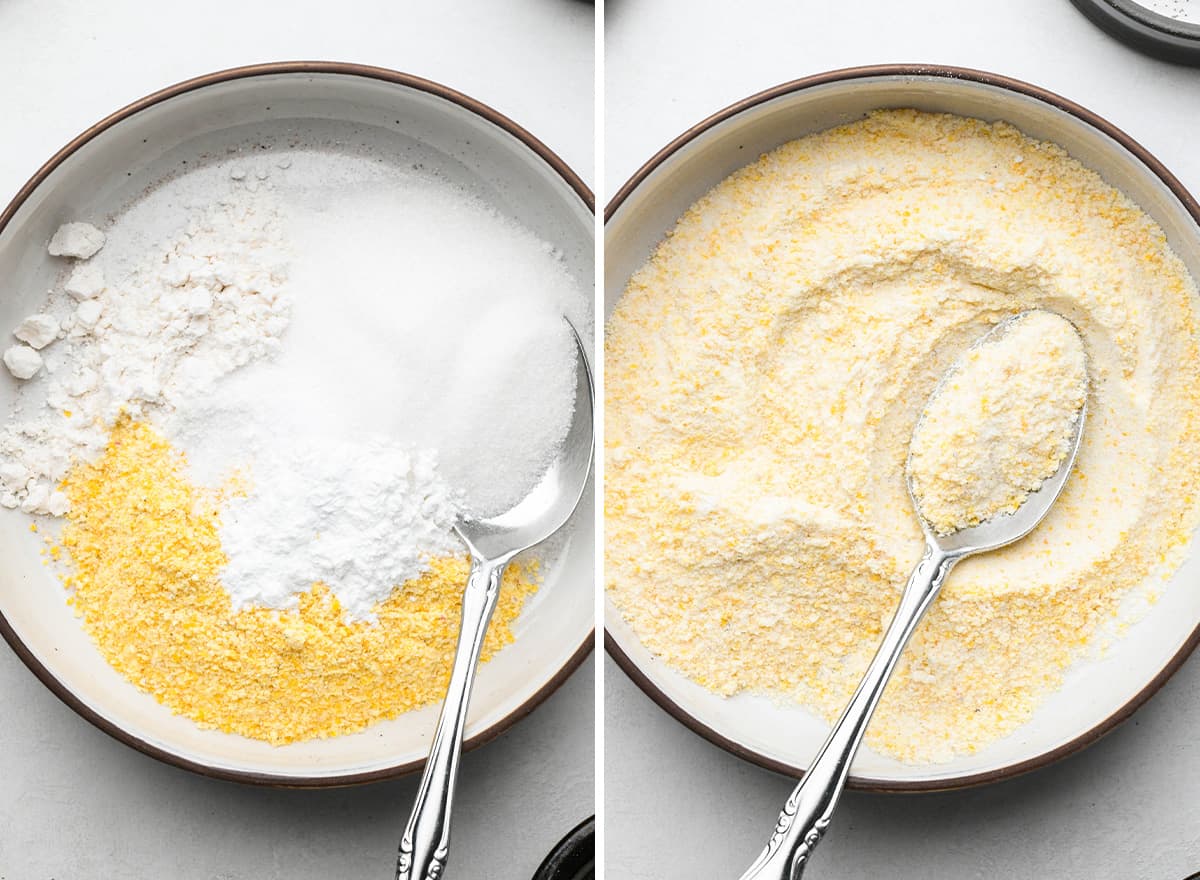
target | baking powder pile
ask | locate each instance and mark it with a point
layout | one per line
(764, 373)
(362, 515)
(1000, 423)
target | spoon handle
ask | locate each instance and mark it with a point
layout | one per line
(809, 810)
(426, 841)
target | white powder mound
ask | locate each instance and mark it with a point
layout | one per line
(188, 313)
(359, 515)
(425, 316)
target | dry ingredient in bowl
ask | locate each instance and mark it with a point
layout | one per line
(1000, 424)
(359, 515)
(764, 373)
(255, 430)
(147, 566)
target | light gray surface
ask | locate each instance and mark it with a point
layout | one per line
(76, 805)
(668, 66)
(677, 807)
(1128, 808)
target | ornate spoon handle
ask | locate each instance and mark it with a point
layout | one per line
(426, 841)
(809, 810)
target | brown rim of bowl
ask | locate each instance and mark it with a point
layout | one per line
(869, 783)
(299, 68)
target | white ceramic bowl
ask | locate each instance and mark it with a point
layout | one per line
(1097, 695)
(118, 159)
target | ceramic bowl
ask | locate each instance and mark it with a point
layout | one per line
(112, 164)
(1096, 695)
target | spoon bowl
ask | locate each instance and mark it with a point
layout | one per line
(554, 498)
(999, 531)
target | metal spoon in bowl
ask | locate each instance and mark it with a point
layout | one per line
(809, 810)
(492, 542)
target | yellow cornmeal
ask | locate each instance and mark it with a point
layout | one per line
(764, 373)
(145, 559)
(1000, 423)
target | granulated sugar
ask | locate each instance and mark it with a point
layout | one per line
(439, 323)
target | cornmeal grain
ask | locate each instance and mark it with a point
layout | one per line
(145, 561)
(764, 373)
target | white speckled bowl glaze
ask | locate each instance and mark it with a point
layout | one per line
(109, 165)
(1097, 695)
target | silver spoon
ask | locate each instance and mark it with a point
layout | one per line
(493, 542)
(809, 810)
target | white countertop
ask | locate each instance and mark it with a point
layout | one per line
(677, 807)
(75, 804)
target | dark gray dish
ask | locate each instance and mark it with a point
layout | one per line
(1144, 30)
(574, 857)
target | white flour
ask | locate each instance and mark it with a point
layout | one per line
(198, 307)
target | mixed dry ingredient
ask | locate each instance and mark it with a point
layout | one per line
(764, 374)
(260, 429)
(1000, 423)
